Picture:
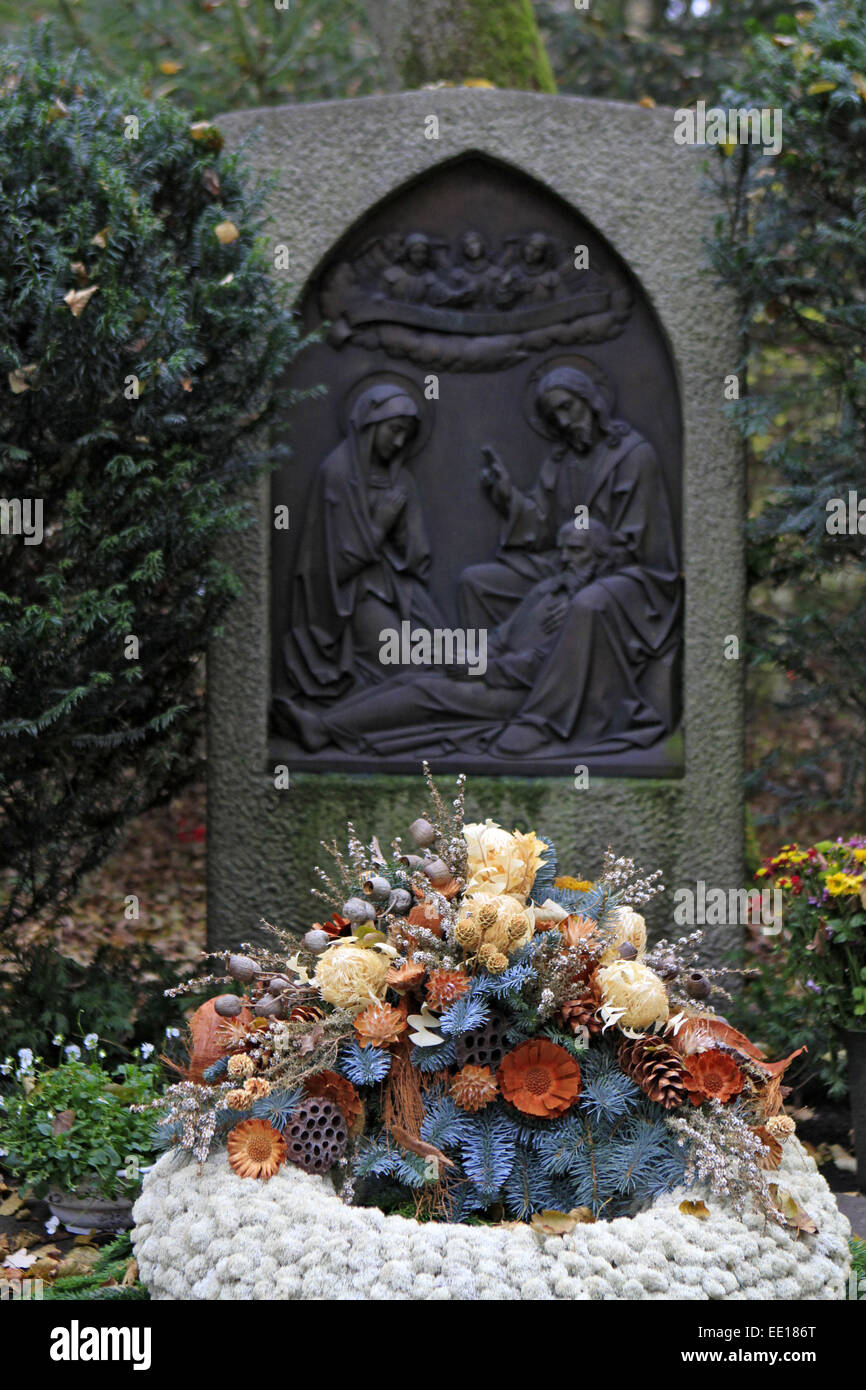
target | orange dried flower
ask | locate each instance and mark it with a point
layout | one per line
(426, 915)
(256, 1150)
(330, 1085)
(540, 1078)
(474, 1087)
(712, 1075)
(576, 929)
(334, 927)
(380, 1025)
(256, 1088)
(445, 987)
(405, 978)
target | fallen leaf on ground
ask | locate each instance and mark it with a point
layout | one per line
(843, 1159)
(131, 1275)
(794, 1214)
(11, 1205)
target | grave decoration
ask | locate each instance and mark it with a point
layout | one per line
(468, 1034)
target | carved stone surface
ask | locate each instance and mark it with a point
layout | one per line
(494, 478)
(618, 168)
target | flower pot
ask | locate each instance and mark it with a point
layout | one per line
(204, 1233)
(83, 1214)
(855, 1046)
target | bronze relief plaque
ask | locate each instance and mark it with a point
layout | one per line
(482, 565)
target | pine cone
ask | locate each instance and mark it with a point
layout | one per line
(583, 1013)
(656, 1068)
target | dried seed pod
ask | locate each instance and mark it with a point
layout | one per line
(242, 968)
(268, 1006)
(438, 872)
(377, 888)
(400, 901)
(317, 1136)
(627, 951)
(412, 862)
(279, 983)
(697, 985)
(357, 911)
(228, 1005)
(317, 941)
(422, 833)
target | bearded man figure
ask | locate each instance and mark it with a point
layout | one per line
(611, 679)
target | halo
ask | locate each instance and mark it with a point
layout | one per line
(582, 364)
(413, 391)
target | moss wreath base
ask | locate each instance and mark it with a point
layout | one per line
(203, 1233)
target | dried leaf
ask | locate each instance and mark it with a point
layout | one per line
(20, 1260)
(560, 1223)
(794, 1214)
(773, 1157)
(11, 1205)
(418, 1146)
(101, 238)
(169, 67)
(843, 1159)
(78, 299)
(424, 1023)
(698, 1209)
(63, 1122)
(211, 181)
(21, 379)
(131, 1274)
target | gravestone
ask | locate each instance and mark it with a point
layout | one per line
(509, 538)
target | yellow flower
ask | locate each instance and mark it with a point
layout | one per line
(840, 883)
(501, 862)
(350, 976)
(859, 855)
(573, 885)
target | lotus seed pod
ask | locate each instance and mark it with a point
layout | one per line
(357, 911)
(317, 941)
(697, 985)
(438, 872)
(377, 888)
(242, 968)
(422, 833)
(228, 1005)
(400, 901)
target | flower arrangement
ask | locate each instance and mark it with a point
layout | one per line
(824, 913)
(473, 1036)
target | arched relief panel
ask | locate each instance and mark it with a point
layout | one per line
(447, 307)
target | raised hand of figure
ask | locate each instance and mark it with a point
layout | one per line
(494, 476)
(555, 612)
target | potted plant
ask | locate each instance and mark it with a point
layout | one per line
(822, 950)
(70, 1134)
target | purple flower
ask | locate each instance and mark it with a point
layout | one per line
(816, 989)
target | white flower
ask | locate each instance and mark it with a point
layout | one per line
(57, 1040)
(3, 1153)
(146, 1050)
(25, 1058)
(172, 1032)
(72, 1051)
(90, 1041)
(51, 1224)
(6, 1066)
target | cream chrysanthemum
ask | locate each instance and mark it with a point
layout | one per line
(628, 927)
(350, 976)
(636, 990)
(499, 861)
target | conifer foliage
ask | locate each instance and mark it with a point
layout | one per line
(142, 340)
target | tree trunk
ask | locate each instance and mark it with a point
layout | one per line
(460, 41)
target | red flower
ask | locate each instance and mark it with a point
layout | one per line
(712, 1075)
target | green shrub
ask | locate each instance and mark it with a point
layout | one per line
(132, 259)
(71, 1129)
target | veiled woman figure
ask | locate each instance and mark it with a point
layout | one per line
(364, 556)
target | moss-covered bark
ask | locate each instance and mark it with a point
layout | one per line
(460, 41)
